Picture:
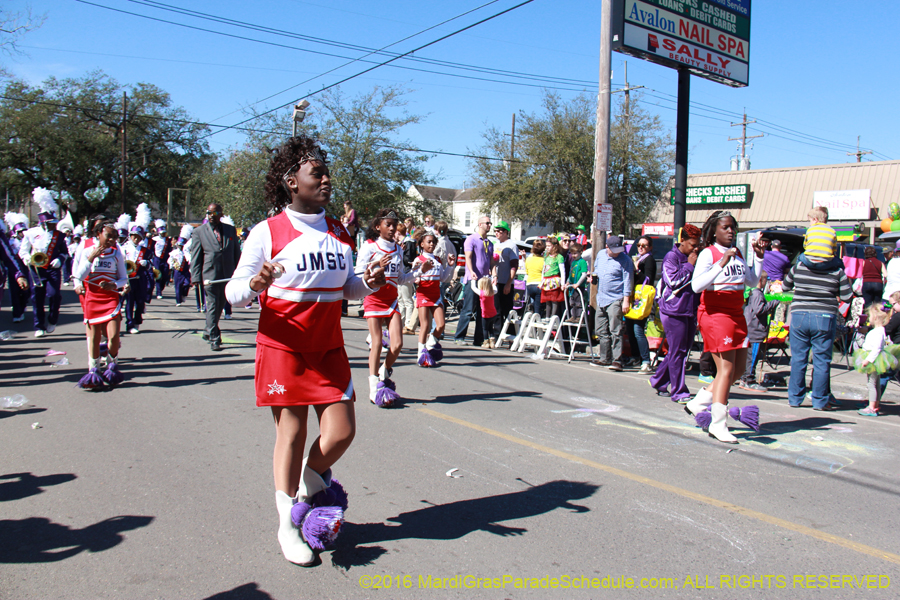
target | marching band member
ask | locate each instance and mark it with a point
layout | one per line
(16, 270)
(300, 356)
(181, 267)
(102, 272)
(46, 279)
(162, 247)
(135, 298)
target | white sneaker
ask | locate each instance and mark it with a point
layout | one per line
(134, 330)
(40, 333)
(645, 368)
(159, 297)
(227, 317)
(179, 303)
(51, 328)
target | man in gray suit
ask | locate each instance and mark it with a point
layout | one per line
(215, 252)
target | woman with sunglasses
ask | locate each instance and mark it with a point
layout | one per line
(644, 273)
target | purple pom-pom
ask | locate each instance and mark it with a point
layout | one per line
(385, 338)
(437, 353)
(749, 416)
(337, 494)
(321, 525)
(425, 359)
(104, 349)
(389, 383)
(385, 394)
(92, 380)
(703, 419)
(113, 375)
(298, 512)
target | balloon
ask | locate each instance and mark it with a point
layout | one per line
(895, 226)
(886, 225)
(894, 210)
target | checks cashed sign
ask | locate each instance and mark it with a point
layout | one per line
(709, 37)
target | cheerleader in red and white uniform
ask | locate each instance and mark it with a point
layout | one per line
(101, 271)
(300, 356)
(380, 249)
(721, 274)
(428, 300)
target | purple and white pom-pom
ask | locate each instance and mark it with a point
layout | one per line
(321, 526)
(749, 416)
(92, 380)
(703, 419)
(437, 353)
(425, 359)
(385, 338)
(113, 375)
(385, 394)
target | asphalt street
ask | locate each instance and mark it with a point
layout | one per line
(497, 476)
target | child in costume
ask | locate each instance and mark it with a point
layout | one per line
(300, 356)
(875, 357)
(380, 249)
(553, 276)
(428, 300)
(101, 270)
(485, 289)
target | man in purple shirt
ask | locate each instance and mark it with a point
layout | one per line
(479, 254)
(775, 264)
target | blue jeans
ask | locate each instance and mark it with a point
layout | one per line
(811, 331)
(533, 298)
(471, 309)
(637, 337)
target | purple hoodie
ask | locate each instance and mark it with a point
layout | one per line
(677, 273)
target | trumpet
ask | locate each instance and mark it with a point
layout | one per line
(39, 260)
(131, 267)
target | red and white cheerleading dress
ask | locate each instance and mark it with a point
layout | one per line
(721, 313)
(300, 356)
(383, 303)
(99, 305)
(428, 291)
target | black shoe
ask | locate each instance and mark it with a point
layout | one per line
(215, 346)
(615, 366)
(205, 337)
(599, 363)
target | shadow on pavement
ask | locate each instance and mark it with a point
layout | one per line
(39, 540)
(23, 485)
(22, 411)
(248, 591)
(457, 519)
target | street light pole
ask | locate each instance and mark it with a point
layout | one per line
(299, 115)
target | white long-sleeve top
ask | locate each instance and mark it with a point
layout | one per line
(316, 237)
(109, 266)
(373, 250)
(709, 275)
(874, 343)
(437, 271)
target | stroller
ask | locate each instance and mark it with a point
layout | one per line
(453, 299)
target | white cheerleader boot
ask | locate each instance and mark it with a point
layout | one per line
(292, 545)
(431, 341)
(384, 372)
(717, 427)
(699, 402)
(373, 386)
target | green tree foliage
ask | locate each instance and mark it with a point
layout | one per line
(551, 178)
(66, 136)
(367, 162)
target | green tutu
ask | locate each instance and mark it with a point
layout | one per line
(885, 361)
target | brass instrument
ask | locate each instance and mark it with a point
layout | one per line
(39, 260)
(156, 274)
(131, 267)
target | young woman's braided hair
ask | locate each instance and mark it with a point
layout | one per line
(285, 158)
(708, 233)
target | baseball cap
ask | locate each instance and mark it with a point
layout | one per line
(502, 225)
(614, 244)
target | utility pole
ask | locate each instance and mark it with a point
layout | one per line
(601, 137)
(124, 138)
(512, 140)
(858, 154)
(744, 137)
(623, 219)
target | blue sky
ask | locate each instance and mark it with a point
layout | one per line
(820, 73)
